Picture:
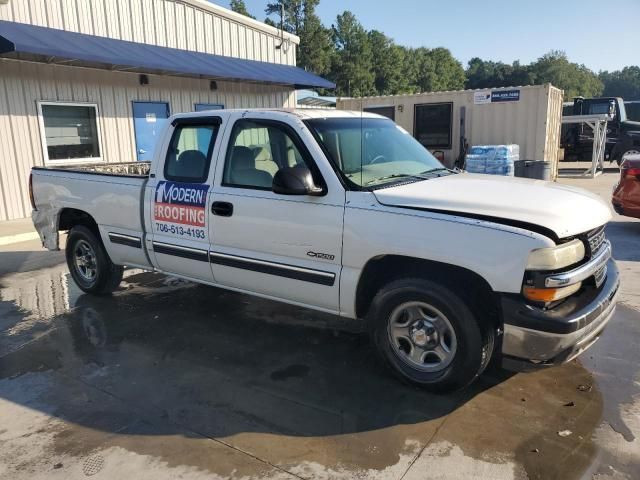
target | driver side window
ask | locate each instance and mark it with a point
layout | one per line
(257, 150)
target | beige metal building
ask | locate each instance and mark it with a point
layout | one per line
(528, 116)
(94, 80)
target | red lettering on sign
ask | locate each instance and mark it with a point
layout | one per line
(183, 214)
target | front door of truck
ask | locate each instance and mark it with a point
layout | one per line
(289, 247)
(179, 219)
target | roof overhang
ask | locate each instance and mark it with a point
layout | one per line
(317, 102)
(40, 44)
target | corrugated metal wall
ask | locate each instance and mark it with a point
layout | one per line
(532, 122)
(195, 25)
(23, 84)
(554, 128)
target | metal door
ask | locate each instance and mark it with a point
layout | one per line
(287, 247)
(149, 119)
(180, 228)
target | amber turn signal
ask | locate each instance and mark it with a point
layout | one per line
(547, 295)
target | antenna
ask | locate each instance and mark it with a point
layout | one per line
(284, 44)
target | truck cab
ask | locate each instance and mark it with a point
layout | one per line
(623, 134)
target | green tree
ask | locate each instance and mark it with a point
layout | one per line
(239, 6)
(623, 83)
(487, 74)
(435, 70)
(300, 18)
(316, 48)
(293, 13)
(388, 64)
(352, 65)
(574, 79)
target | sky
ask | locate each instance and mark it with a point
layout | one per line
(603, 35)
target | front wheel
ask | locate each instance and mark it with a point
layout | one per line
(89, 263)
(427, 335)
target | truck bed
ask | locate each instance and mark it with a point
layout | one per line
(112, 194)
(126, 169)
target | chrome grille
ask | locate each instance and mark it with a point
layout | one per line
(595, 240)
(600, 276)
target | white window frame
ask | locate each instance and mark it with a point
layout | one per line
(43, 134)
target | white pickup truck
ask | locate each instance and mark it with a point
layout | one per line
(346, 213)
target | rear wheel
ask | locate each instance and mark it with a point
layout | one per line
(89, 263)
(427, 335)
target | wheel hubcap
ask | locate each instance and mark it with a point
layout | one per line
(84, 259)
(422, 336)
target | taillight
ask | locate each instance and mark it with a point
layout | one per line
(33, 202)
(629, 170)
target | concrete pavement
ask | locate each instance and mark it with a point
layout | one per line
(16, 231)
(166, 379)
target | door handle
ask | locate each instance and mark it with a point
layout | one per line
(222, 209)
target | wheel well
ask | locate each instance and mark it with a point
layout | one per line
(380, 271)
(70, 217)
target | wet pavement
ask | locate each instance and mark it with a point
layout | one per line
(167, 379)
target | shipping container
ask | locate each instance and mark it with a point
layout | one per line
(442, 121)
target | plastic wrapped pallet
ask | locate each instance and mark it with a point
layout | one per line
(492, 159)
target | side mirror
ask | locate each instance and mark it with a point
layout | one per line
(295, 181)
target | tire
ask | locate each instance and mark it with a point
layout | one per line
(429, 310)
(89, 264)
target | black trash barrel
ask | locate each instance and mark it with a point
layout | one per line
(536, 169)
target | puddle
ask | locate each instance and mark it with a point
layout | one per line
(164, 366)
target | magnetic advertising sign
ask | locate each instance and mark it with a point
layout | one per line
(179, 209)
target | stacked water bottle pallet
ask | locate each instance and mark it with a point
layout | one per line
(492, 159)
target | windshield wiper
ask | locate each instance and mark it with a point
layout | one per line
(421, 176)
(397, 175)
(437, 169)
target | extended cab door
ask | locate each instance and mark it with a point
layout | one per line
(288, 247)
(179, 196)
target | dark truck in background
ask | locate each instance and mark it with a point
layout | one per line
(623, 134)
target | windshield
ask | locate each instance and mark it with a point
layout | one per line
(373, 151)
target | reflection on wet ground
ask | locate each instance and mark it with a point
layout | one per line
(167, 378)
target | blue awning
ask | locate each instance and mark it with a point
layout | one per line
(33, 43)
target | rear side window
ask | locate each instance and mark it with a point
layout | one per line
(189, 154)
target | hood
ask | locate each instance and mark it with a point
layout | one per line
(564, 210)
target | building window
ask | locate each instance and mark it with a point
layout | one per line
(203, 107)
(389, 112)
(432, 124)
(70, 132)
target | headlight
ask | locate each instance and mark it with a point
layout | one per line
(557, 257)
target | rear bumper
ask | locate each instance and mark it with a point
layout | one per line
(534, 337)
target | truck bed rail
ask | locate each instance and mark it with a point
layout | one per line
(128, 169)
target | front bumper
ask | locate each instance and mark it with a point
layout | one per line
(536, 337)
